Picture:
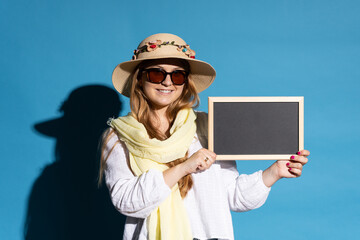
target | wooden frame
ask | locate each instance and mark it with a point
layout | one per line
(299, 100)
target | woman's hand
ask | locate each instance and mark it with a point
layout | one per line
(199, 161)
(291, 168)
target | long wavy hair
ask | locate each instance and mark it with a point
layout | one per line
(141, 109)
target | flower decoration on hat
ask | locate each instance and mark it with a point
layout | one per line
(153, 45)
(186, 49)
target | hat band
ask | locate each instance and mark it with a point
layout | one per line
(154, 45)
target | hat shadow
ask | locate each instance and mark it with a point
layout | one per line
(65, 202)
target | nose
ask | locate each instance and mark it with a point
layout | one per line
(167, 81)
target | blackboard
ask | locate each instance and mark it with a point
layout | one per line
(256, 128)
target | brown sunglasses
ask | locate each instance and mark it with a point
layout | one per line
(158, 75)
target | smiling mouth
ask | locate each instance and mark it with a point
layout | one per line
(164, 91)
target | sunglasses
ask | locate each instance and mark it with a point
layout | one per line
(158, 75)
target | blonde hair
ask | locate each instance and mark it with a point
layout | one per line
(141, 110)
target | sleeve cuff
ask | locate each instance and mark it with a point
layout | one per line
(261, 183)
(252, 190)
(162, 189)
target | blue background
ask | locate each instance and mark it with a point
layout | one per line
(259, 48)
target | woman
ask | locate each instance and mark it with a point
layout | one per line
(155, 166)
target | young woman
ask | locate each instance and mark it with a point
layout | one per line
(157, 168)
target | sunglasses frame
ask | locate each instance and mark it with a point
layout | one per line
(186, 74)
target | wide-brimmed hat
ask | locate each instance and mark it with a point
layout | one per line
(158, 46)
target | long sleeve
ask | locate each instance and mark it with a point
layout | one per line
(245, 192)
(131, 195)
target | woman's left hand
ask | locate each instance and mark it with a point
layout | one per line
(291, 168)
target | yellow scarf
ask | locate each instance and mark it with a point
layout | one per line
(169, 220)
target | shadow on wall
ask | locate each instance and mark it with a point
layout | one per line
(65, 202)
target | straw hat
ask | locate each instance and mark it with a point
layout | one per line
(158, 46)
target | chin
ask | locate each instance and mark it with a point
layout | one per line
(161, 105)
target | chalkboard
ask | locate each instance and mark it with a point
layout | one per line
(256, 128)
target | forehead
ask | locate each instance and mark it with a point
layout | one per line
(166, 61)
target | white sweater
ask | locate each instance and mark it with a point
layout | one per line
(215, 192)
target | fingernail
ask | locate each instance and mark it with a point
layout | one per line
(290, 169)
(292, 157)
(298, 153)
(287, 164)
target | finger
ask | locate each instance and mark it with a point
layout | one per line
(212, 158)
(294, 165)
(209, 161)
(201, 167)
(295, 171)
(203, 163)
(209, 153)
(301, 159)
(303, 153)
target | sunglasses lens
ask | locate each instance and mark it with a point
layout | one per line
(178, 77)
(155, 75)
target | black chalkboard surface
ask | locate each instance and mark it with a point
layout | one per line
(256, 128)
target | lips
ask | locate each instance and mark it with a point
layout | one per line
(164, 90)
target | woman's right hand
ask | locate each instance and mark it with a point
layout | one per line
(199, 161)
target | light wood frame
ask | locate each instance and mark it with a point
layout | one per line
(212, 100)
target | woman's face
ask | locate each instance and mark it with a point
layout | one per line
(163, 94)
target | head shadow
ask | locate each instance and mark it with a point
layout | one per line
(65, 201)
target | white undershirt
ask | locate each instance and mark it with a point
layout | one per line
(215, 192)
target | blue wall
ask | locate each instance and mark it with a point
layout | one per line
(259, 48)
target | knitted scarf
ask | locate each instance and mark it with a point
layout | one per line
(169, 220)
